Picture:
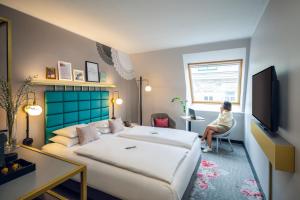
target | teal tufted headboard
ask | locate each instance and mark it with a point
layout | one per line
(66, 108)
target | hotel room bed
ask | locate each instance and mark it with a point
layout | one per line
(125, 184)
(67, 108)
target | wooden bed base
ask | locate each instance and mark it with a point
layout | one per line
(94, 194)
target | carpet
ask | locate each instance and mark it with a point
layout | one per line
(226, 175)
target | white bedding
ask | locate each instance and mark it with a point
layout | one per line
(125, 184)
(174, 137)
(149, 159)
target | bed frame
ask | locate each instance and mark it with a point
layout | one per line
(66, 108)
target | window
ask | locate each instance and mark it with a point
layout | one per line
(215, 82)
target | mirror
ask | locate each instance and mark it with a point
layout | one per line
(5, 58)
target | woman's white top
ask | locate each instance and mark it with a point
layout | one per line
(225, 118)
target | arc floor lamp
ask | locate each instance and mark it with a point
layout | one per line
(148, 88)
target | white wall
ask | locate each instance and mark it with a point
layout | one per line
(165, 71)
(276, 42)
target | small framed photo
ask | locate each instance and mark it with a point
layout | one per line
(103, 77)
(92, 71)
(78, 75)
(64, 71)
(50, 73)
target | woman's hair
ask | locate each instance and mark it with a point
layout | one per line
(227, 105)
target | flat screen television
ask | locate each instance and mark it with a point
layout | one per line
(265, 98)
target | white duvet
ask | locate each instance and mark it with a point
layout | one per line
(149, 159)
(166, 136)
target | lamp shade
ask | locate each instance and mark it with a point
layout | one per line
(33, 110)
(119, 101)
(148, 88)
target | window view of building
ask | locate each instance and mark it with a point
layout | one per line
(215, 82)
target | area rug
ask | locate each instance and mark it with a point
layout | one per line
(226, 175)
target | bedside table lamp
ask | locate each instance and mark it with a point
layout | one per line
(31, 110)
(114, 101)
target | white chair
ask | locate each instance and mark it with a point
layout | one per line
(225, 135)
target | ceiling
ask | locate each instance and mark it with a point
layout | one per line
(136, 26)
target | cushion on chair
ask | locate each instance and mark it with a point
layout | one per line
(161, 122)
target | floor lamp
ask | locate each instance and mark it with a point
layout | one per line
(148, 88)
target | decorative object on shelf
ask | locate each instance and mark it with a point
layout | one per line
(11, 103)
(71, 83)
(123, 64)
(64, 71)
(103, 77)
(78, 75)
(31, 109)
(104, 53)
(181, 102)
(50, 73)
(115, 100)
(15, 169)
(148, 88)
(92, 71)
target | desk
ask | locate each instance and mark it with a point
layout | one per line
(190, 120)
(50, 172)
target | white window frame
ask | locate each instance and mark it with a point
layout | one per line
(192, 65)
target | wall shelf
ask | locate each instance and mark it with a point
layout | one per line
(71, 83)
(280, 152)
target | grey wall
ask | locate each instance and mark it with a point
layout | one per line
(276, 42)
(37, 44)
(165, 71)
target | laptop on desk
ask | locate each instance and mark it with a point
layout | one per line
(192, 113)
(193, 116)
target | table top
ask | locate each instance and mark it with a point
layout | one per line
(188, 118)
(49, 170)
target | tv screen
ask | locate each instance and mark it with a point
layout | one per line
(265, 99)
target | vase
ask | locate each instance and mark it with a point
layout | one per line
(11, 143)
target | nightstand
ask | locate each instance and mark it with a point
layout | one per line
(50, 171)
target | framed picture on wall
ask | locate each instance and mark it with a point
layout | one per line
(92, 71)
(64, 71)
(50, 73)
(78, 75)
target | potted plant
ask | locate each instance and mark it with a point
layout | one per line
(181, 102)
(11, 103)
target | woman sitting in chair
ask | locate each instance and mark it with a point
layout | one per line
(219, 126)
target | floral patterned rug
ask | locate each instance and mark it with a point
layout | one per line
(226, 175)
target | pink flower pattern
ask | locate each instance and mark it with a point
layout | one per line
(250, 190)
(208, 164)
(209, 171)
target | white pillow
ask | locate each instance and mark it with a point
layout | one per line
(100, 124)
(103, 130)
(69, 131)
(68, 142)
(87, 134)
(116, 125)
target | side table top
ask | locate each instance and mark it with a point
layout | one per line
(49, 171)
